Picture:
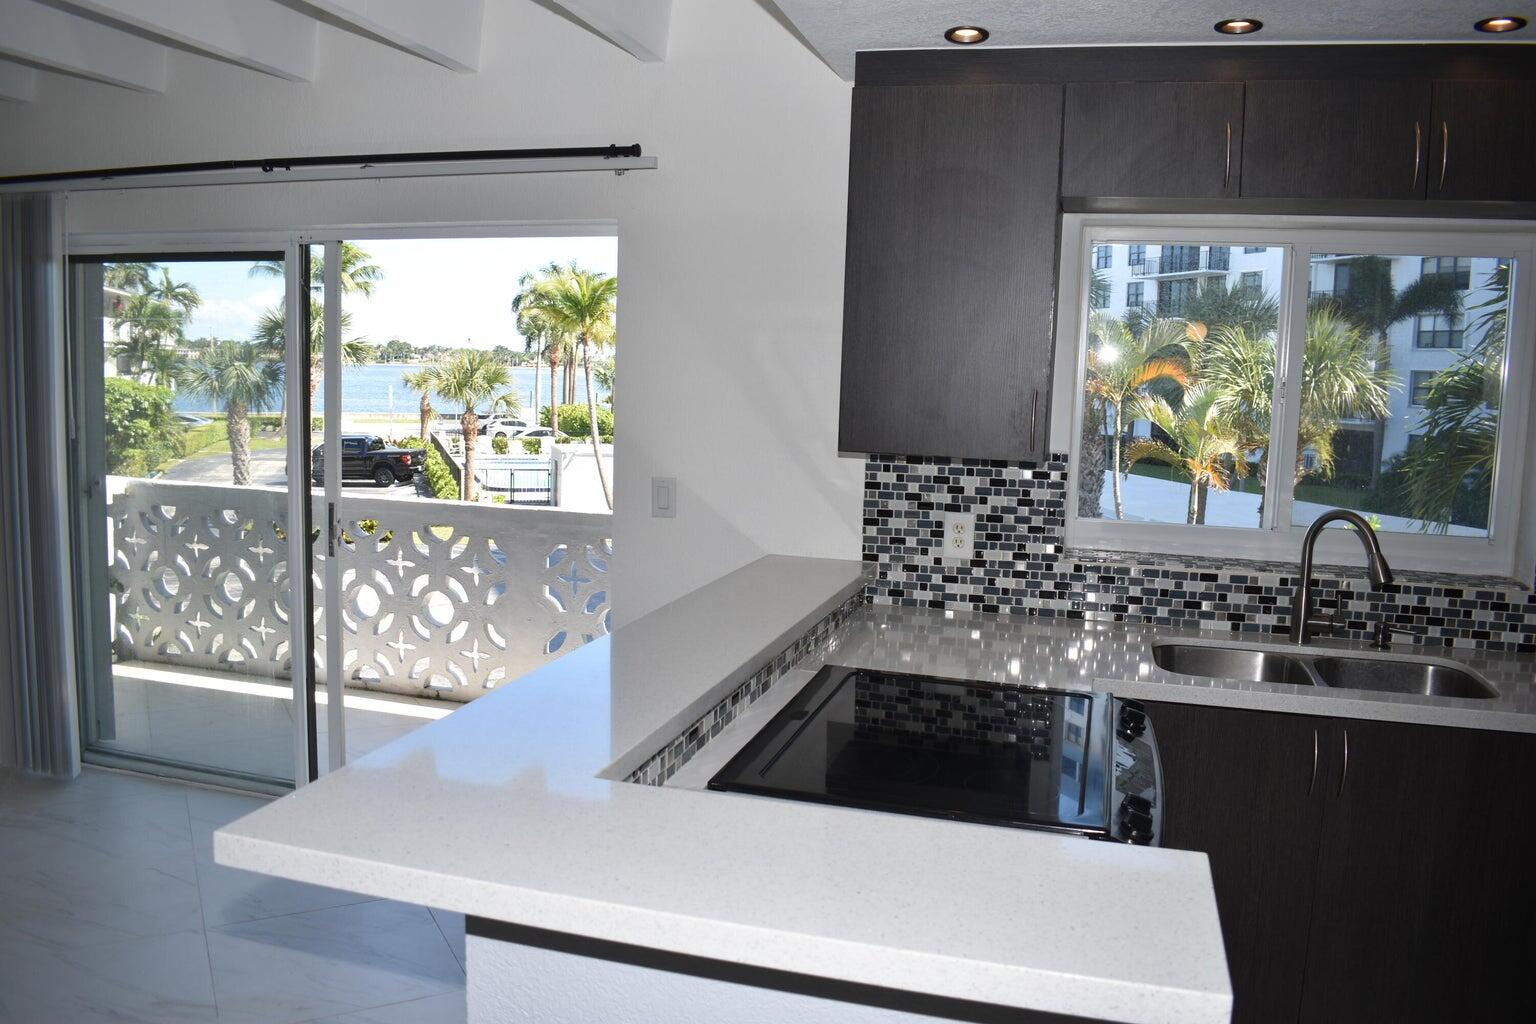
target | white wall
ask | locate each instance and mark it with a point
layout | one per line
(730, 255)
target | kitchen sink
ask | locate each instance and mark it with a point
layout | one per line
(1249, 665)
(1400, 676)
(1323, 669)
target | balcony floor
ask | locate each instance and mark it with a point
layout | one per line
(242, 723)
(115, 911)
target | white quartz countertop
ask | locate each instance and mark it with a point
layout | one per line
(501, 810)
(1119, 659)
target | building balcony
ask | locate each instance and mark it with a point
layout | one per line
(1204, 262)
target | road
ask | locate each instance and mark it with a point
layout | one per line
(269, 469)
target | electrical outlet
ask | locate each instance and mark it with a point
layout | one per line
(959, 536)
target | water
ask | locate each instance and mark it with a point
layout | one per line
(367, 389)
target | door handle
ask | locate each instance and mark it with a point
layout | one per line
(1418, 151)
(1445, 150)
(1344, 775)
(1226, 174)
(1034, 414)
(1316, 750)
(330, 528)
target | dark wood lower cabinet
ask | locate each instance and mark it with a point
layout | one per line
(1425, 905)
(1239, 786)
(1390, 884)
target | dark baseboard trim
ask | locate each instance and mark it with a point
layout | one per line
(943, 1007)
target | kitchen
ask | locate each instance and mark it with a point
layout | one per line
(1241, 789)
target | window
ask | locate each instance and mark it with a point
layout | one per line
(1101, 258)
(1133, 295)
(1227, 411)
(1098, 297)
(1220, 257)
(1138, 255)
(1457, 271)
(1437, 331)
(1418, 388)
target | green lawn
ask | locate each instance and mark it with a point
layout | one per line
(213, 439)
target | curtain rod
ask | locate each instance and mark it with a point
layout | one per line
(318, 168)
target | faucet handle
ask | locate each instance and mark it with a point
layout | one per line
(1384, 631)
(1330, 623)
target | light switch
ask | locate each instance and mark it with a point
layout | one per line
(664, 497)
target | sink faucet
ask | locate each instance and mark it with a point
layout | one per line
(1375, 564)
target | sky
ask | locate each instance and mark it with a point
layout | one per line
(454, 292)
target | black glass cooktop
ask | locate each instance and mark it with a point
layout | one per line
(1012, 755)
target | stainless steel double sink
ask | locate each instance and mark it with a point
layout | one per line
(1337, 670)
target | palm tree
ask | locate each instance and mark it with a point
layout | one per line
(1370, 299)
(1461, 418)
(129, 277)
(162, 366)
(538, 333)
(272, 331)
(1120, 365)
(243, 377)
(359, 273)
(142, 325)
(1203, 447)
(423, 382)
(470, 378)
(179, 295)
(1217, 304)
(580, 304)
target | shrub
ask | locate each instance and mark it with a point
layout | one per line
(575, 422)
(142, 432)
(440, 477)
(533, 445)
(499, 445)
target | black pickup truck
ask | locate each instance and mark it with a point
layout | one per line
(367, 457)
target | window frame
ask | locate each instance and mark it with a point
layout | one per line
(1275, 538)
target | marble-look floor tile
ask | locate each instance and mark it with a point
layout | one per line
(452, 926)
(148, 828)
(329, 962)
(231, 896)
(22, 792)
(159, 980)
(448, 1008)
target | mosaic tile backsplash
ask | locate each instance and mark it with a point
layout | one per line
(1022, 566)
(663, 764)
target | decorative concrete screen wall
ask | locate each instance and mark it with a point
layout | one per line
(438, 598)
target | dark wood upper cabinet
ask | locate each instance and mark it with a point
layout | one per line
(1336, 139)
(1424, 910)
(948, 321)
(1151, 139)
(1483, 141)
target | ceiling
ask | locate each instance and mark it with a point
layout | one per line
(126, 44)
(837, 29)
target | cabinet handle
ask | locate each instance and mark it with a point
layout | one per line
(1034, 413)
(1316, 749)
(1344, 775)
(1418, 151)
(1226, 174)
(1445, 150)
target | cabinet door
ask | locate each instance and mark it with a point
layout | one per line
(1483, 141)
(1424, 906)
(1335, 139)
(1152, 139)
(1246, 788)
(951, 270)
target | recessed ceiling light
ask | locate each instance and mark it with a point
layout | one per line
(1503, 23)
(967, 35)
(1239, 26)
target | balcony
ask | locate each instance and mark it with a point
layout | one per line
(440, 599)
(1179, 263)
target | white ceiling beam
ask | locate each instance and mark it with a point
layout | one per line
(637, 26)
(257, 34)
(446, 32)
(67, 42)
(17, 83)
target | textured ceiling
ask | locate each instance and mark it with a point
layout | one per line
(839, 28)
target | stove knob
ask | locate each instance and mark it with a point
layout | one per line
(1133, 802)
(1133, 721)
(1136, 827)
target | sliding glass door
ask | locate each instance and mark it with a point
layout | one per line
(183, 443)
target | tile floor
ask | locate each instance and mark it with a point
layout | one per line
(111, 909)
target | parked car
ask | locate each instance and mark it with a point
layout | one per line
(534, 432)
(502, 426)
(367, 457)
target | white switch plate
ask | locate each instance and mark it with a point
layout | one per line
(664, 497)
(959, 536)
